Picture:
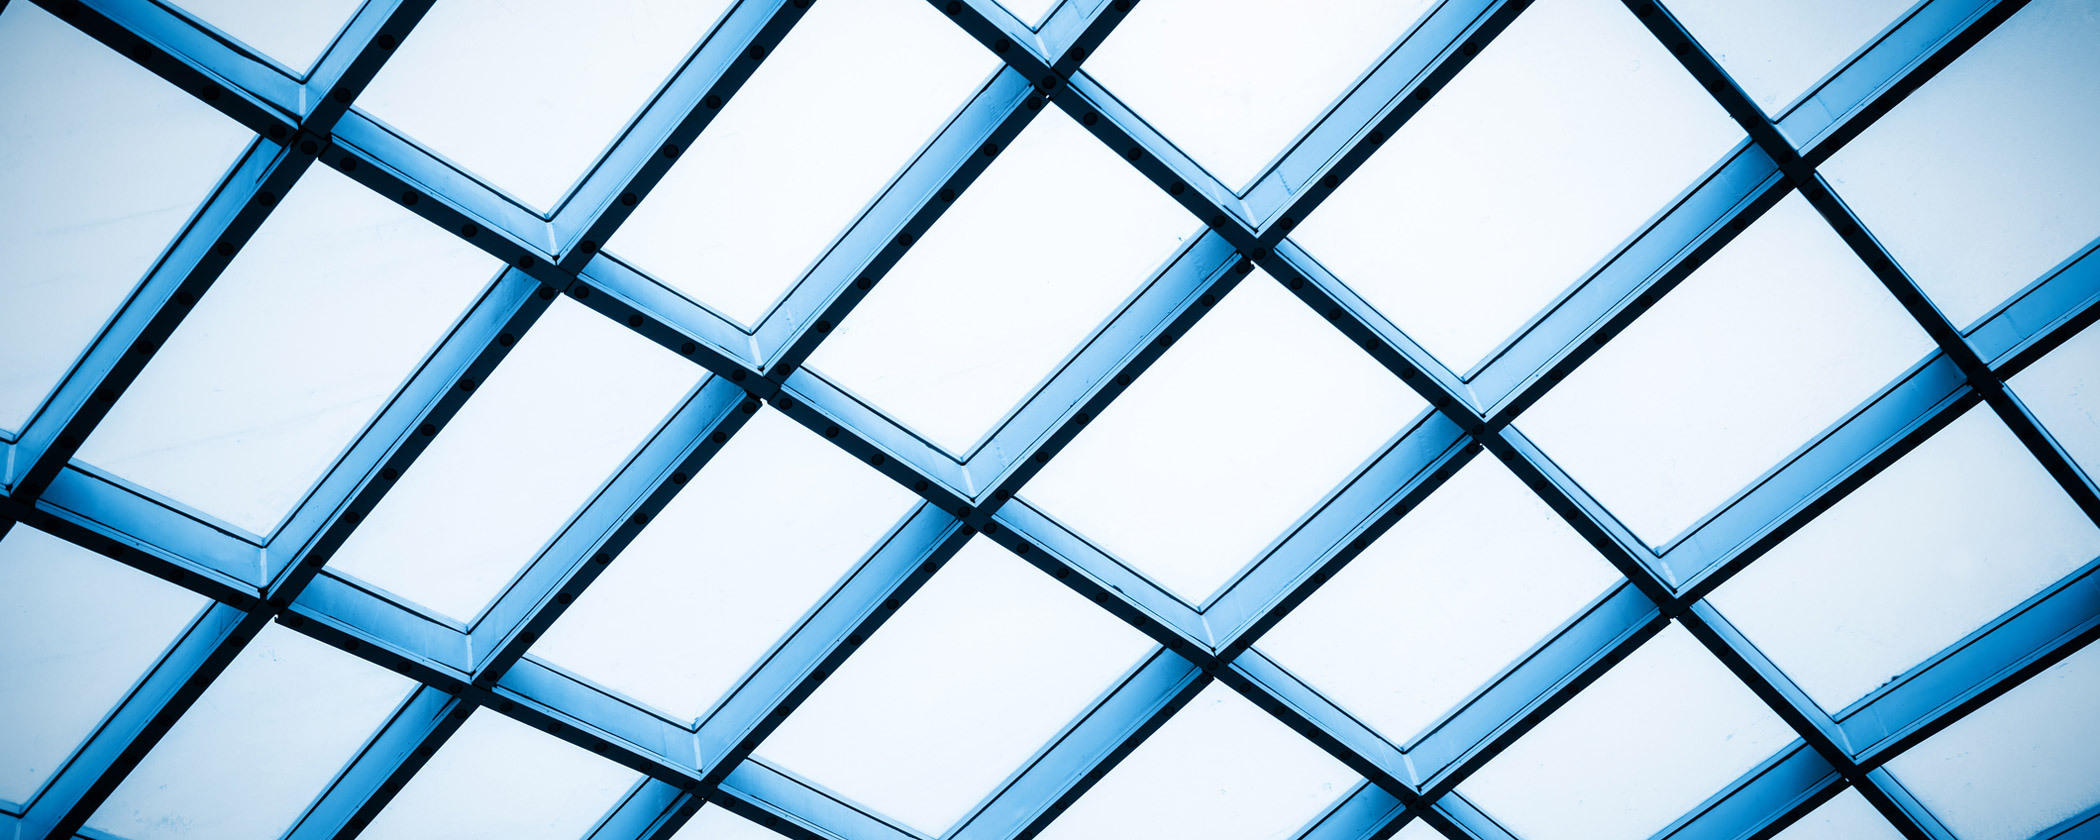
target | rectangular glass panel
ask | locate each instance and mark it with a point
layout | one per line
(1571, 129)
(552, 423)
(1848, 816)
(1220, 769)
(2063, 391)
(1656, 735)
(1983, 179)
(263, 741)
(1776, 50)
(762, 192)
(498, 779)
(1243, 426)
(1768, 343)
(2019, 765)
(318, 319)
(77, 631)
(1465, 583)
(527, 93)
(1058, 228)
(293, 33)
(1963, 528)
(1231, 82)
(740, 554)
(85, 205)
(975, 674)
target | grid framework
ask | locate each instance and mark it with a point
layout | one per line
(306, 121)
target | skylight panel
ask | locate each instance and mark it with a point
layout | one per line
(498, 779)
(294, 34)
(1848, 816)
(1776, 51)
(2063, 391)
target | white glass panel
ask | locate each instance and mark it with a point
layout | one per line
(553, 422)
(1776, 50)
(1243, 426)
(947, 699)
(1465, 583)
(293, 33)
(77, 631)
(1220, 769)
(1983, 179)
(2063, 391)
(1058, 228)
(87, 203)
(1233, 81)
(1848, 816)
(2019, 765)
(1962, 529)
(498, 779)
(1767, 344)
(716, 823)
(318, 319)
(1419, 830)
(1658, 734)
(1569, 131)
(773, 179)
(263, 741)
(527, 93)
(1030, 12)
(740, 554)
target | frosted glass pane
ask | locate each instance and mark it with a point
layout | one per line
(1242, 427)
(716, 823)
(293, 33)
(324, 313)
(974, 675)
(2063, 391)
(1030, 12)
(938, 345)
(77, 631)
(1670, 722)
(1962, 529)
(1231, 82)
(1776, 50)
(255, 750)
(741, 553)
(527, 93)
(760, 195)
(1464, 584)
(1767, 344)
(1569, 131)
(498, 779)
(1220, 769)
(1848, 816)
(86, 204)
(1983, 179)
(2019, 765)
(536, 440)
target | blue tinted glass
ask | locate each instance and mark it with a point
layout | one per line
(1776, 50)
(498, 779)
(293, 33)
(1848, 816)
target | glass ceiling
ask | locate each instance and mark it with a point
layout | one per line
(980, 420)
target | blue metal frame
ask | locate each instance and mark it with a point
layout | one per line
(484, 663)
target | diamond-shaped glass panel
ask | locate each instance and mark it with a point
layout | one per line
(1220, 769)
(77, 631)
(1571, 128)
(949, 697)
(1244, 424)
(1983, 179)
(86, 205)
(551, 424)
(262, 742)
(1653, 737)
(1962, 529)
(1462, 586)
(1776, 51)
(1848, 816)
(2018, 766)
(499, 779)
(2063, 391)
(299, 343)
(765, 189)
(527, 93)
(744, 550)
(294, 34)
(1768, 343)
(1058, 228)
(1232, 82)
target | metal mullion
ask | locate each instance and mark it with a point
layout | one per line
(653, 810)
(154, 526)
(1456, 816)
(1366, 812)
(360, 49)
(1322, 722)
(252, 91)
(1618, 545)
(791, 806)
(1901, 808)
(1085, 751)
(414, 733)
(2041, 317)
(1320, 289)
(184, 272)
(1159, 160)
(395, 166)
(1010, 38)
(124, 738)
(1098, 576)
(681, 324)
(120, 547)
(1883, 74)
(874, 438)
(1781, 789)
